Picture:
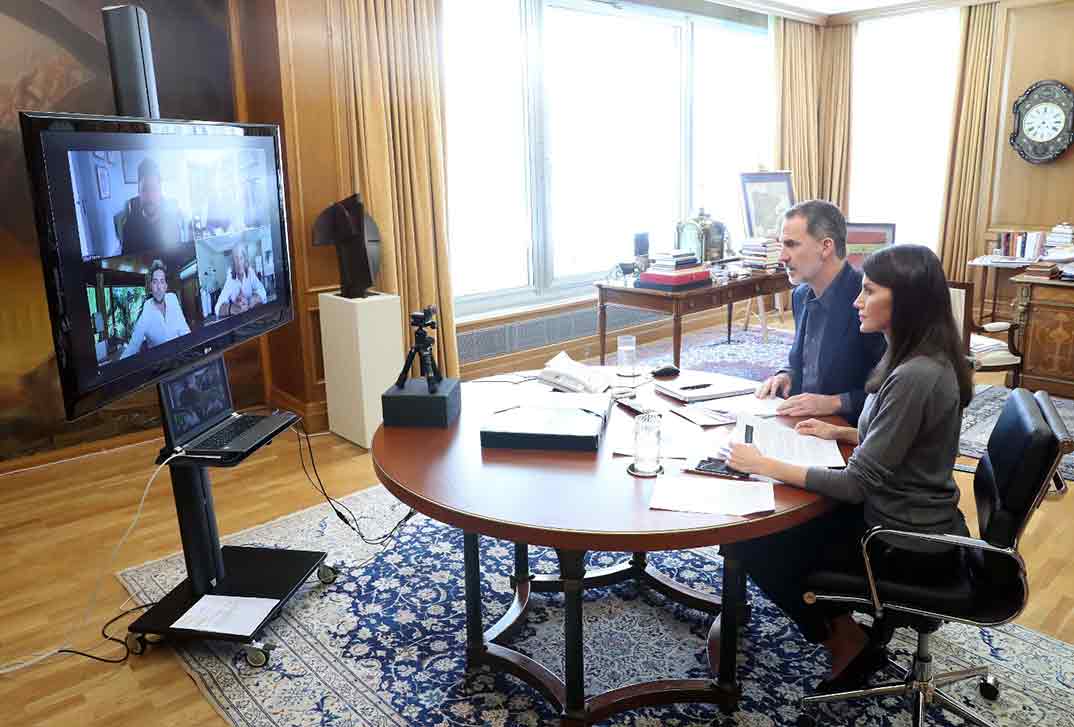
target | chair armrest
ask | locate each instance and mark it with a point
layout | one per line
(996, 327)
(961, 541)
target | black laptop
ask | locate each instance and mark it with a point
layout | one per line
(199, 417)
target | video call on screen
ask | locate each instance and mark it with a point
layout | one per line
(172, 241)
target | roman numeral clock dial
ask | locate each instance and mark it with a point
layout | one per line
(1043, 121)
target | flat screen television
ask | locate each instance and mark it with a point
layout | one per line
(162, 242)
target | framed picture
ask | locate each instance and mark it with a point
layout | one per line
(103, 191)
(113, 157)
(865, 238)
(130, 167)
(102, 155)
(766, 195)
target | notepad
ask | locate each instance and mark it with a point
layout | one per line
(713, 495)
(701, 385)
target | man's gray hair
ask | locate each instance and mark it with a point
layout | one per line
(823, 219)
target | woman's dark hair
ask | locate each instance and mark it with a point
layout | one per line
(921, 317)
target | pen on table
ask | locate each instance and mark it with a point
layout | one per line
(695, 386)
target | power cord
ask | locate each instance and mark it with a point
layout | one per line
(109, 637)
(335, 504)
(65, 646)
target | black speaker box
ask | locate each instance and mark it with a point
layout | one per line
(414, 406)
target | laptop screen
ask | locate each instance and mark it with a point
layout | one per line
(195, 400)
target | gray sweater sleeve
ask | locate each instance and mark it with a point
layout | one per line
(894, 423)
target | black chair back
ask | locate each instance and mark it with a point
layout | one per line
(1015, 473)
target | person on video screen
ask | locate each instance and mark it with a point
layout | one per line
(243, 289)
(161, 319)
(152, 220)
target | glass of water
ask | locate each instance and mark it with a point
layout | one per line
(626, 348)
(646, 444)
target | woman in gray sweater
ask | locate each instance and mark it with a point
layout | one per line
(899, 474)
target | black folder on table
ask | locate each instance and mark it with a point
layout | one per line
(550, 421)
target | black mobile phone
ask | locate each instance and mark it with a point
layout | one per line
(714, 466)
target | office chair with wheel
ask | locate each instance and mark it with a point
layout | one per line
(1010, 482)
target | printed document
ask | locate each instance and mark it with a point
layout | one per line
(236, 615)
(748, 404)
(712, 495)
(783, 443)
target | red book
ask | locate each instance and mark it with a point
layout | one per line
(682, 277)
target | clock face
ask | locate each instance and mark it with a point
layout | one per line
(1044, 122)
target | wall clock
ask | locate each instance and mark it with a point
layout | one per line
(1043, 122)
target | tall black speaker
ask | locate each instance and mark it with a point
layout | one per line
(130, 56)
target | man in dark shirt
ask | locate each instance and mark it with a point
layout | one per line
(830, 358)
(153, 221)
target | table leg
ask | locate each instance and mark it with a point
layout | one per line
(984, 294)
(676, 334)
(572, 571)
(602, 327)
(764, 317)
(730, 317)
(723, 637)
(995, 293)
(475, 637)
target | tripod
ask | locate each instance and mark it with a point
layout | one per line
(423, 348)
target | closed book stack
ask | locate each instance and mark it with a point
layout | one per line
(1060, 236)
(673, 260)
(761, 254)
(1042, 270)
(685, 276)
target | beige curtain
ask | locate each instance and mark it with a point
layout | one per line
(834, 97)
(960, 236)
(394, 99)
(813, 108)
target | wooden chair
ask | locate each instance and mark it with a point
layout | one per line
(972, 335)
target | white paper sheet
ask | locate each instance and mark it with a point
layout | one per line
(748, 404)
(783, 443)
(714, 495)
(237, 615)
(679, 439)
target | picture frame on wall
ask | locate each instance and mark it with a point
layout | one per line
(766, 196)
(130, 167)
(865, 238)
(103, 189)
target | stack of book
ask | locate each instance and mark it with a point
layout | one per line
(1042, 270)
(1062, 235)
(674, 271)
(761, 254)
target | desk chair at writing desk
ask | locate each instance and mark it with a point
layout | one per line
(990, 589)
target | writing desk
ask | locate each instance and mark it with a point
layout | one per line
(574, 502)
(680, 303)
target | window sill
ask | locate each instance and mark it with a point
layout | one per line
(521, 313)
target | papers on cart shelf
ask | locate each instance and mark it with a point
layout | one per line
(235, 615)
(785, 444)
(747, 404)
(565, 373)
(712, 495)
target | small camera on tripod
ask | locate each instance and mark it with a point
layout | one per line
(433, 402)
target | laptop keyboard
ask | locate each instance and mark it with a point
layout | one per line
(234, 428)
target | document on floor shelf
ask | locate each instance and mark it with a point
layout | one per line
(236, 615)
(783, 443)
(712, 495)
(748, 404)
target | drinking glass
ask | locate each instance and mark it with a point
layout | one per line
(647, 443)
(626, 355)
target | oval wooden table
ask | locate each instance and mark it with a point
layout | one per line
(574, 502)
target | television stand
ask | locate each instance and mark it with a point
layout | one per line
(274, 573)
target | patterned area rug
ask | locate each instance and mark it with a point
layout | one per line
(981, 415)
(384, 644)
(747, 355)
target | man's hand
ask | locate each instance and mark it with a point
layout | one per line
(810, 405)
(817, 428)
(745, 458)
(239, 305)
(778, 385)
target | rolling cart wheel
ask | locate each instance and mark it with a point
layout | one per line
(747, 614)
(256, 656)
(989, 688)
(154, 638)
(327, 574)
(136, 643)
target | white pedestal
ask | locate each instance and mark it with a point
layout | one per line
(363, 353)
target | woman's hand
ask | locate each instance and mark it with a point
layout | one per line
(746, 458)
(817, 428)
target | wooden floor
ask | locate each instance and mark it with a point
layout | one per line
(59, 524)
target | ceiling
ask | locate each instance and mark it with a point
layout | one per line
(834, 7)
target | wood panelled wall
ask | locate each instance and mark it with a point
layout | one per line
(288, 56)
(55, 60)
(1033, 43)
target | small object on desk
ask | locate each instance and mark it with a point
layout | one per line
(713, 496)
(646, 445)
(701, 385)
(666, 371)
(717, 467)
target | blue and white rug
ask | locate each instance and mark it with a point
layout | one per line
(981, 415)
(385, 643)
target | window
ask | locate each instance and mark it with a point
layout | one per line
(902, 116)
(572, 125)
